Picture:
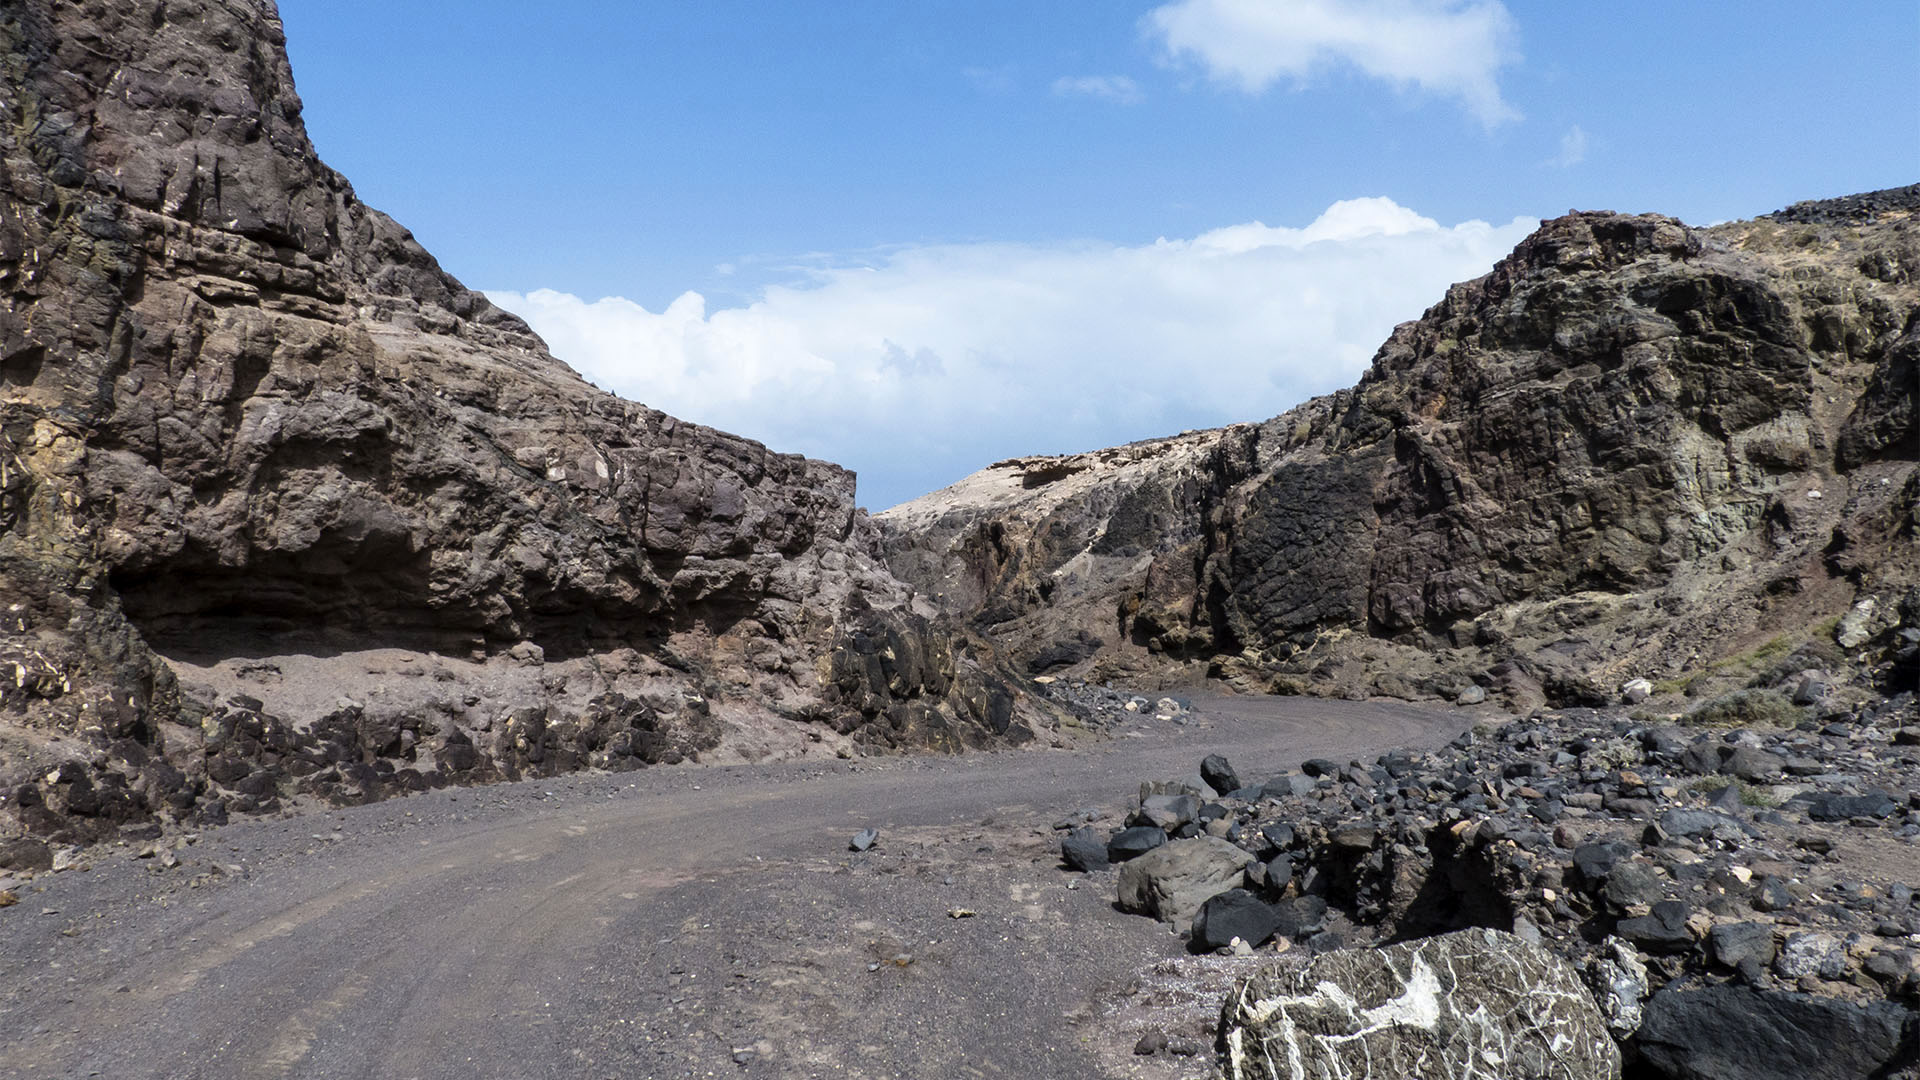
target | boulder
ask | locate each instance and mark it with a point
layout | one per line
(1633, 883)
(1297, 785)
(1168, 812)
(1746, 947)
(1663, 931)
(1135, 842)
(1083, 849)
(1472, 1004)
(1302, 916)
(1731, 1032)
(1173, 880)
(1235, 913)
(1219, 774)
(1833, 806)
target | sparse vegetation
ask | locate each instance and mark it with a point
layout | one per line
(1746, 708)
(1763, 665)
(1749, 795)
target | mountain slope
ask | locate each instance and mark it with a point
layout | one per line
(1634, 448)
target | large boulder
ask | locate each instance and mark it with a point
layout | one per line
(1475, 1004)
(1732, 1032)
(1172, 881)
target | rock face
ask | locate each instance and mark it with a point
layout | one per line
(1464, 1006)
(1633, 448)
(259, 454)
(1739, 1033)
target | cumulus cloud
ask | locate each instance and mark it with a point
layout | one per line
(920, 364)
(1115, 88)
(1573, 148)
(1450, 48)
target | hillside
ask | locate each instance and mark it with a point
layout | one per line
(1635, 449)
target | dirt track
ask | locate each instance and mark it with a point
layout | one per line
(675, 922)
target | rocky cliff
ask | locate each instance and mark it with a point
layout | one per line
(1634, 449)
(285, 509)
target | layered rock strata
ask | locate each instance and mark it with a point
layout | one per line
(1634, 448)
(285, 508)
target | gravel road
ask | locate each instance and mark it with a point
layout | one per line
(675, 922)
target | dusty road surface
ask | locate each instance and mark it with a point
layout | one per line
(674, 922)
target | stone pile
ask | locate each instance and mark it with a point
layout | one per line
(1100, 705)
(1768, 868)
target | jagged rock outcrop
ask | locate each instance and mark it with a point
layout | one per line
(1633, 448)
(378, 536)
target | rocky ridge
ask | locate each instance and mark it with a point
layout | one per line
(1634, 449)
(287, 511)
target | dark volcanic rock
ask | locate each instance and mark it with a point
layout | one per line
(1831, 806)
(1650, 878)
(1633, 446)
(1135, 842)
(1739, 1033)
(1083, 849)
(1235, 913)
(1219, 774)
(248, 421)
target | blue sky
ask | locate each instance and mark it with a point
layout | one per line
(918, 237)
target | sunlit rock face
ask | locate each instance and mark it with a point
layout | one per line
(276, 490)
(1472, 1005)
(1633, 448)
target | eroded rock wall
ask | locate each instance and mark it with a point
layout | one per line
(1633, 448)
(248, 422)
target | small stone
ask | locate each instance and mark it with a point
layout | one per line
(1168, 812)
(1151, 1043)
(1084, 850)
(1810, 953)
(1297, 785)
(1663, 931)
(1219, 774)
(864, 839)
(1772, 895)
(1746, 947)
(1135, 842)
(1633, 883)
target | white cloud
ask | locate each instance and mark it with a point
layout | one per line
(1114, 88)
(1450, 48)
(1573, 148)
(929, 362)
